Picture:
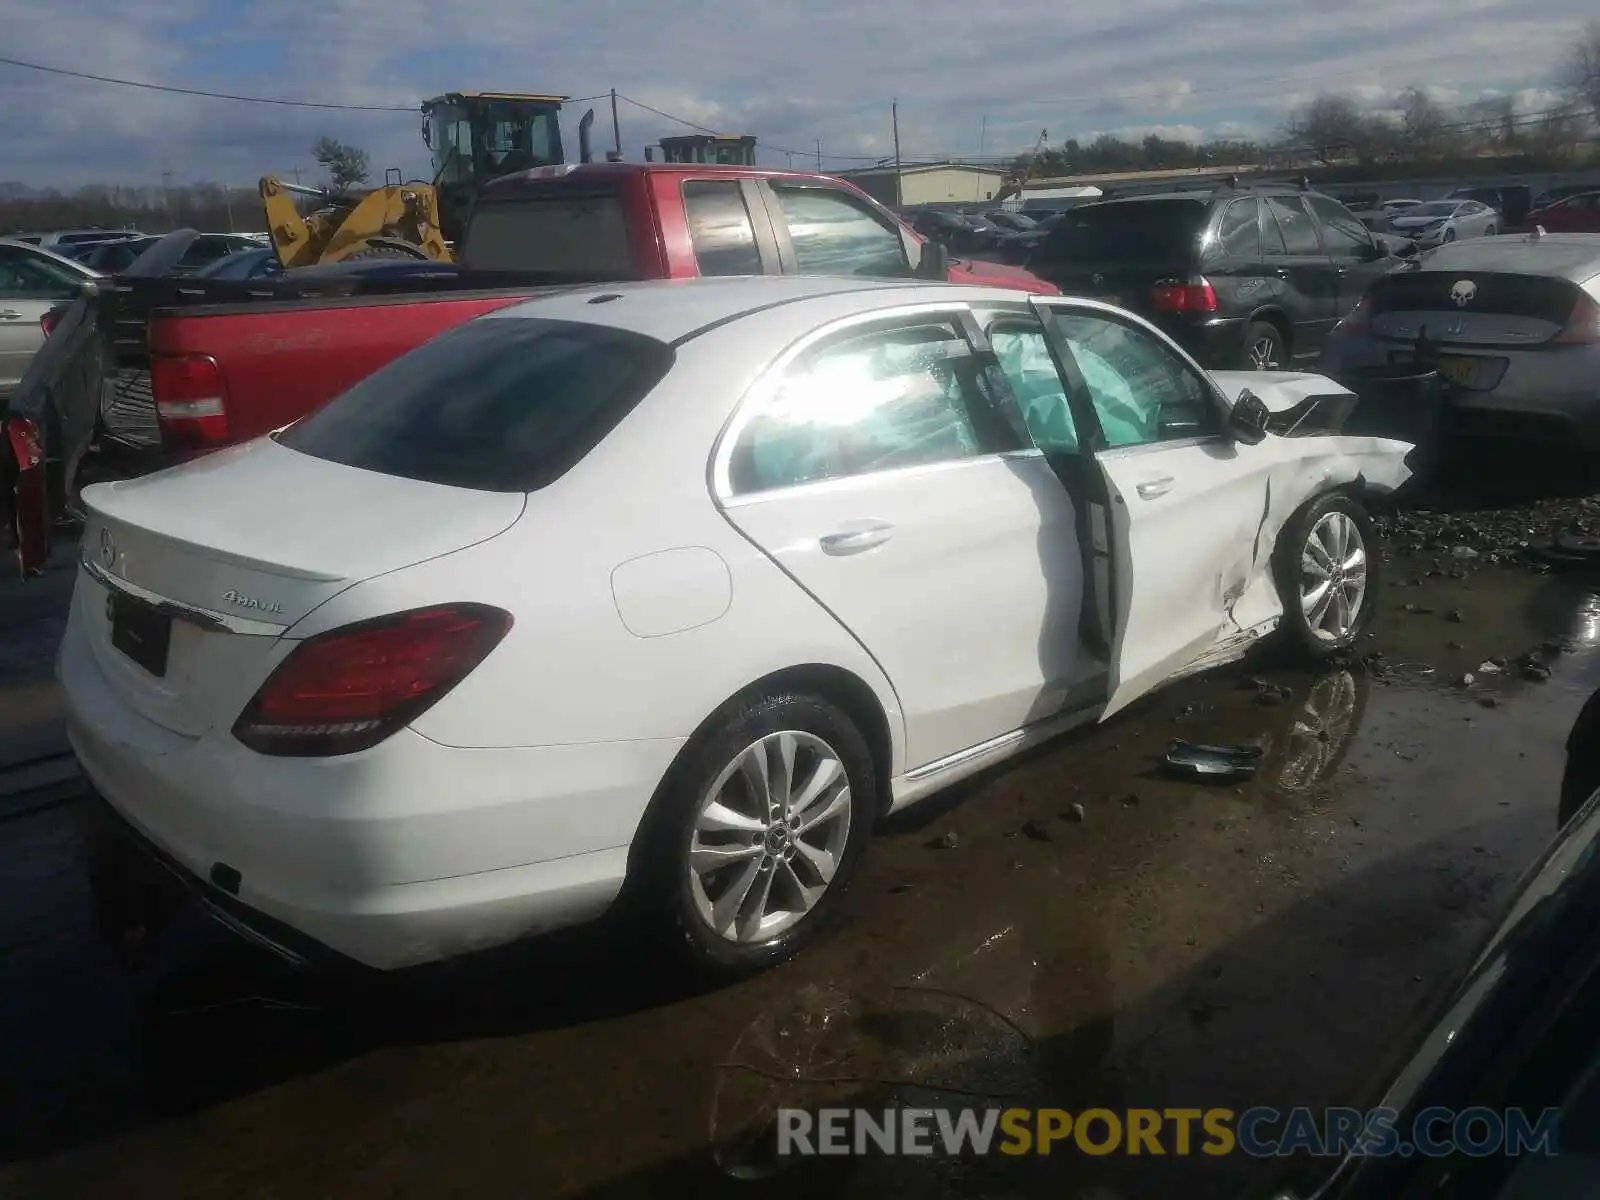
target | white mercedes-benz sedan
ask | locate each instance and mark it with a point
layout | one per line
(665, 593)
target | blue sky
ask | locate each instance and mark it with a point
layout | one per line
(965, 74)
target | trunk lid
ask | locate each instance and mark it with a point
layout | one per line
(1472, 308)
(214, 560)
(1118, 250)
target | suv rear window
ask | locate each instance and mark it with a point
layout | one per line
(503, 404)
(583, 235)
(1134, 231)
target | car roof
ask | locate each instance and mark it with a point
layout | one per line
(1571, 256)
(599, 172)
(87, 272)
(671, 310)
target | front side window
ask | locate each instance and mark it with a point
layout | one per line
(1299, 234)
(25, 276)
(836, 234)
(1346, 237)
(719, 227)
(1142, 392)
(903, 397)
(1025, 358)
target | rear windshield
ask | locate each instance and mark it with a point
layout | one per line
(1137, 231)
(502, 404)
(583, 235)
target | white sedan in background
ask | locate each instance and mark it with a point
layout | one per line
(1439, 222)
(670, 591)
(32, 282)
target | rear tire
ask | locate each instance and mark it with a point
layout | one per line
(1263, 347)
(724, 869)
(1327, 571)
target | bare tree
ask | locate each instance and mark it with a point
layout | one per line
(1580, 73)
(346, 165)
(1329, 125)
(1425, 127)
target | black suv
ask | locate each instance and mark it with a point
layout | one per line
(1243, 277)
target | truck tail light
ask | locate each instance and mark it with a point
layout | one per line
(350, 688)
(1184, 296)
(1583, 326)
(191, 401)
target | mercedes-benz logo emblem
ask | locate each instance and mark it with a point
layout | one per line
(108, 548)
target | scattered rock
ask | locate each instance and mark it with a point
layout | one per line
(1269, 699)
(1488, 702)
(1191, 940)
(1489, 667)
(1553, 646)
(945, 841)
(1075, 813)
(1466, 680)
(901, 888)
(1037, 831)
(1129, 801)
(1454, 616)
(1454, 646)
(1535, 671)
(1464, 553)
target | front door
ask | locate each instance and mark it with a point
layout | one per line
(1184, 504)
(31, 284)
(1357, 258)
(878, 473)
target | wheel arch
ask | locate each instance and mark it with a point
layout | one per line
(1279, 320)
(825, 681)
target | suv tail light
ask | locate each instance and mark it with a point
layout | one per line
(191, 401)
(51, 319)
(350, 688)
(1583, 326)
(1184, 296)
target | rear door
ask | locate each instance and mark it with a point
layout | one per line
(1184, 504)
(729, 233)
(880, 475)
(826, 230)
(1308, 283)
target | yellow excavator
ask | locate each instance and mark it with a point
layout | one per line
(473, 136)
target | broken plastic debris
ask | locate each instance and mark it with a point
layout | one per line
(1195, 760)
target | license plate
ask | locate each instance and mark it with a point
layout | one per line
(140, 632)
(1478, 374)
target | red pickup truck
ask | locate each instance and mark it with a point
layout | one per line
(225, 373)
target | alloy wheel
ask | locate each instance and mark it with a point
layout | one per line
(1264, 354)
(1333, 577)
(768, 836)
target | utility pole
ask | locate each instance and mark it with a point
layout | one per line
(790, 154)
(819, 155)
(616, 125)
(983, 134)
(894, 118)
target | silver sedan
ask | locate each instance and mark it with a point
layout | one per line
(1439, 222)
(32, 282)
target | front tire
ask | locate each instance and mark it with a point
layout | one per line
(751, 846)
(1326, 564)
(1449, 236)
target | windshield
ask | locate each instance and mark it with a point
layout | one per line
(1438, 208)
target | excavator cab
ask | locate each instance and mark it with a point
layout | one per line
(478, 136)
(723, 149)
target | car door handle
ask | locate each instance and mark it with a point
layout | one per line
(854, 541)
(10, 314)
(1151, 488)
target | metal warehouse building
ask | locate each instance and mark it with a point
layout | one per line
(929, 183)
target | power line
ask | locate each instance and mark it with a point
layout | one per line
(201, 92)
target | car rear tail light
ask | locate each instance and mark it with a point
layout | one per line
(191, 401)
(1359, 318)
(27, 449)
(50, 320)
(1583, 326)
(350, 688)
(1184, 296)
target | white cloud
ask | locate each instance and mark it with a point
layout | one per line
(790, 74)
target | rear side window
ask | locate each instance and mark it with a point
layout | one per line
(1294, 223)
(497, 405)
(1133, 232)
(1239, 233)
(579, 234)
(719, 227)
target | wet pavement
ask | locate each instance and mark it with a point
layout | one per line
(1167, 943)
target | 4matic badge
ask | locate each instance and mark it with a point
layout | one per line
(240, 600)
